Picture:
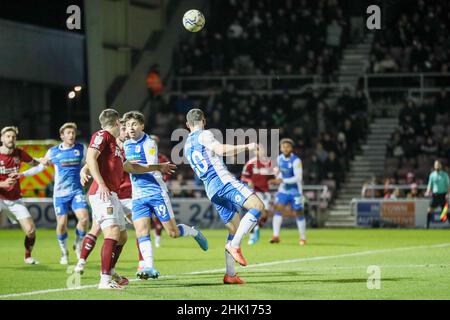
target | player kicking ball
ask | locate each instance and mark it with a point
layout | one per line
(289, 191)
(68, 158)
(150, 195)
(10, 194)
(204, 154)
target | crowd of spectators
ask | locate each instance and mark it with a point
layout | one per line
(281, 37)
(326, 137)
(422, 137)
(415, 38)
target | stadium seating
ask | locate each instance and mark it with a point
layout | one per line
(414, 39)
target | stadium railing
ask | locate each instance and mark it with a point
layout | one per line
(245, 85)
(405, 83)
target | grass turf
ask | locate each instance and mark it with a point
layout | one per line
(332, 266)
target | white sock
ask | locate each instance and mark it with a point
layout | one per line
(301, 224)
(229, 262)
(62, 241)
(145, 246)
(186, 231)
(255, 229)
(157, 240)
(276, 224)
(105, 278)
(247, 223)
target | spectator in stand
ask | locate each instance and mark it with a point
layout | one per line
(397, 194)
(413, 192)
(430, 147)
(333, 169)
(442, 102)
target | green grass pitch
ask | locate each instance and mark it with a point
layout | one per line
(413, 264)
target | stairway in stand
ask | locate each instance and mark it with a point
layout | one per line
(364, 166)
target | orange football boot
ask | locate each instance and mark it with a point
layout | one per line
(236, 253)
(232, 279)
(275, 239)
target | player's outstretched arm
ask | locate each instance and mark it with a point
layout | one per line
(230, 150)
(135, 168)
(38, 165)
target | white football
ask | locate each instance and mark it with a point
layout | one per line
(193, 20)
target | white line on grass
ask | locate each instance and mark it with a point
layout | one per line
(256, 265)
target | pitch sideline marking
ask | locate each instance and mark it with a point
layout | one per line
(256, 265)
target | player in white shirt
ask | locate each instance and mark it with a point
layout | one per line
(204, 154)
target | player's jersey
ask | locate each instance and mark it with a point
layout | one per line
(259, 173)
(10, 163)
(68, 163)
(125, 187)
(207, 165)
(110, 161)
(291, 173)
(144, 151)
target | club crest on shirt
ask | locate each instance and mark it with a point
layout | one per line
(16, 160)
(238, 198)
(137, 148)
(76, 152)
(98, 139)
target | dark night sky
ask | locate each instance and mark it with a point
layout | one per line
(46, 13)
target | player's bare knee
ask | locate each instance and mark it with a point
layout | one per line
(84, 222)
(259, 205)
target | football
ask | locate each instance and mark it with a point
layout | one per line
(193, 20)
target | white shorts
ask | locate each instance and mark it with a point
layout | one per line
(14, 209)
(107, 213)
(127, 205)
(265, 198)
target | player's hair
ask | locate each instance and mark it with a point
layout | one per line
(10, 128)
(135, 115)
(287, 140)
(108, 118)
(68, 125)
(194, 116)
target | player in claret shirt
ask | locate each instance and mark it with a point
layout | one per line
(256, 173)
(10, 194)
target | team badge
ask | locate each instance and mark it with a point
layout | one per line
(98, 139)
(76, 152)
(152, 151)
(238, 198)
(137, 148)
